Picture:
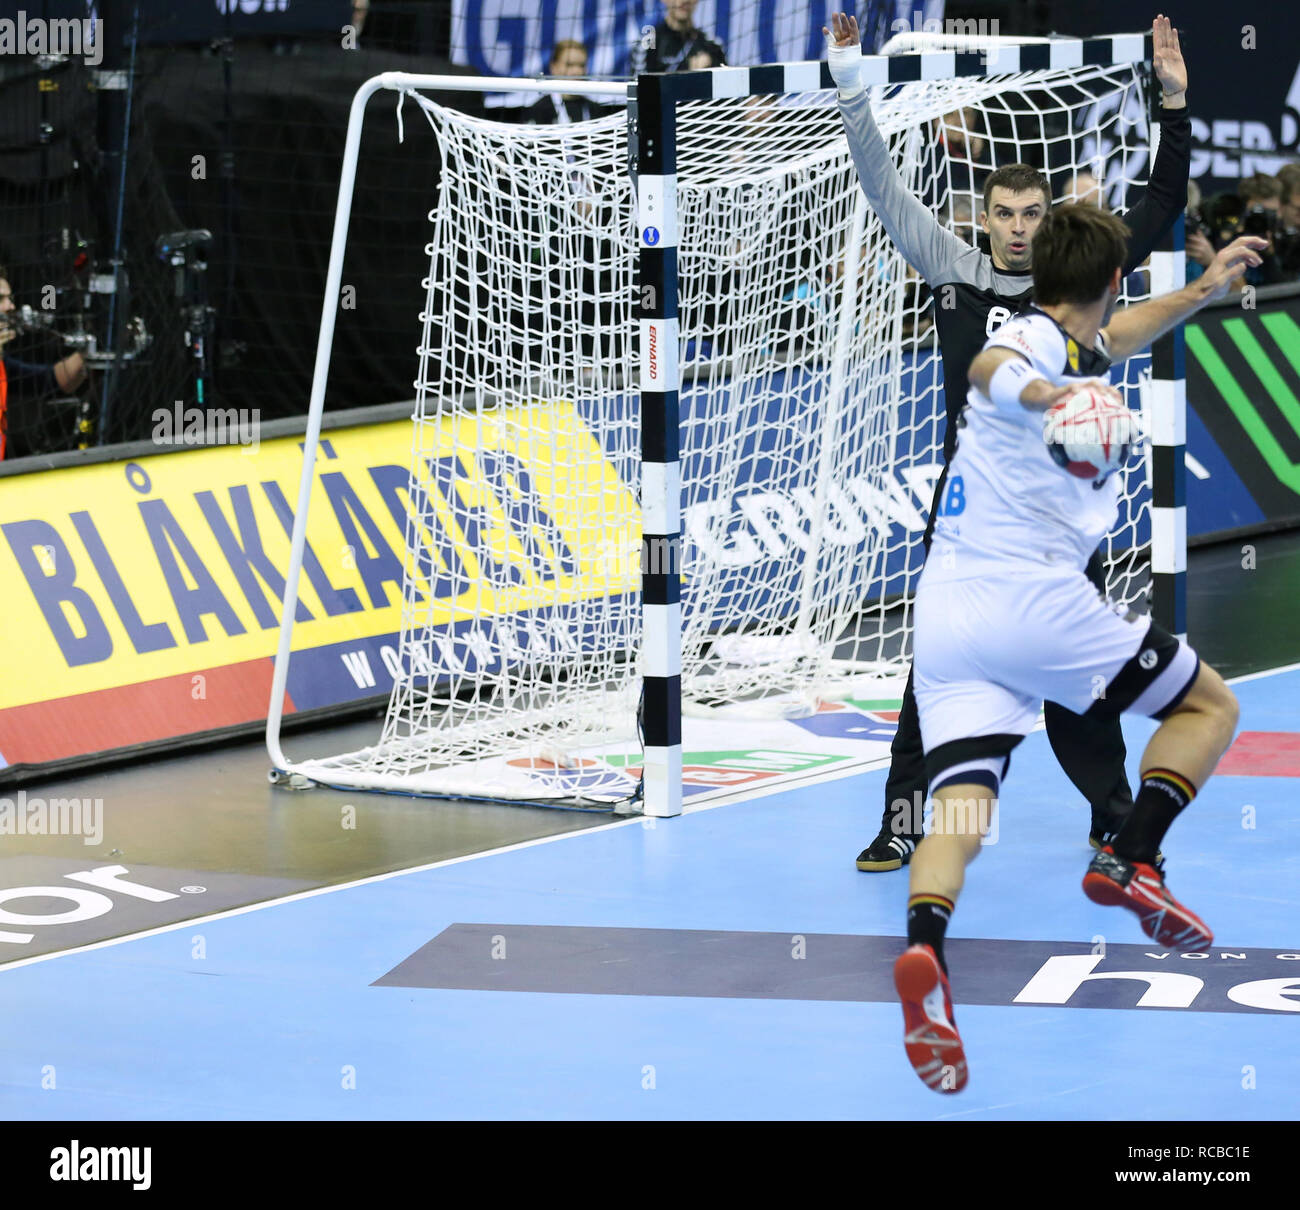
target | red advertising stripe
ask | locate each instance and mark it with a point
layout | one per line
(137, 714)
(1263, 754)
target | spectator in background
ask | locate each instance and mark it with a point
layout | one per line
(1288, 235)
(961, 135)
(1198, 238)
(1289, 178)
(1253, 211)
(1261, 201)
(675, 44)
(568, 60)
(959, 217)
(21, 380)
(1260, 191)
(1085, 188)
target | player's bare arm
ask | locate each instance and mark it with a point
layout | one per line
(1036, 393)
(1134, 328)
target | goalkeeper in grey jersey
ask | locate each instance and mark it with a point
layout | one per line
(981, 291)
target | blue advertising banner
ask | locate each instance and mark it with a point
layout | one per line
(514, 37)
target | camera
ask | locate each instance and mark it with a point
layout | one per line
(25, 319)
(1259, 220)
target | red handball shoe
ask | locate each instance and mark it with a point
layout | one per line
(930, 1034)
(1117, 882)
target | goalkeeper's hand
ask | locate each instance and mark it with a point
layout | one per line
(844, 54)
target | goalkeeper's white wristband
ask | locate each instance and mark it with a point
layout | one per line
(845, 63)
(1010, 380)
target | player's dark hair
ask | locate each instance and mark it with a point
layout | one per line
(1076, 251)
(1017, 178)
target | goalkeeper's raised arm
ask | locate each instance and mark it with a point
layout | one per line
(1165, 195)
(926, 245)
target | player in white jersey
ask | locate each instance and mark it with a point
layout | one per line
(1005, 617)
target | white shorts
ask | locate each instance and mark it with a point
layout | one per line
(988, 652)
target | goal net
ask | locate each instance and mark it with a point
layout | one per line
(811, 417)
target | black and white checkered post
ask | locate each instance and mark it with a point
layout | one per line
(661, 538)
(1168, 424)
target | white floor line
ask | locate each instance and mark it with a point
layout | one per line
(314, 891)
(1256, 676)
(795, 782)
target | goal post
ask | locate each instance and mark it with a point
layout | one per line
(679, 411)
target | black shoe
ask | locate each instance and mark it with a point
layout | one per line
(1106, 828)
(887, 852)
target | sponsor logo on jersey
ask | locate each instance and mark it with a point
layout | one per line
(1148, 659)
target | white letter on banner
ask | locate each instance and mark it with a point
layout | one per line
(1062, 975)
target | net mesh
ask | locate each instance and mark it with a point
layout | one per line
(811, 416)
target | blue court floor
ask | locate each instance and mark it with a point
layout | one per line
(731, 963)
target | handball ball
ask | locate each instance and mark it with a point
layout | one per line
(1090, 434)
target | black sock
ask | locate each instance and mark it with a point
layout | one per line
(927, 921)
(1163, 795)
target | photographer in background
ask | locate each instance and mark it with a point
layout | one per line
(1198, 239)
(1261, 192)
(1288, 239)
(1261, 214)
(1289, 178)
(23, 380)
(1254, 210)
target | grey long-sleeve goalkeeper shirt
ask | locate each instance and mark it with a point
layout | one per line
(983, 297)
